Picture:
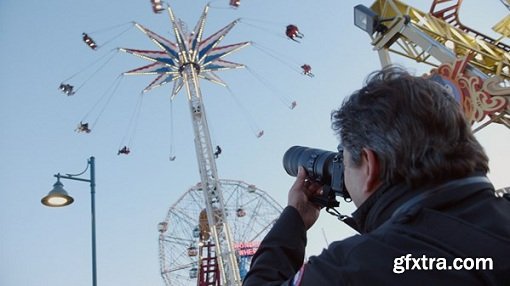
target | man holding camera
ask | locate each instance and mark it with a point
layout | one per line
(426, 212)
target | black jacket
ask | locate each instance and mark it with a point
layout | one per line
(459, 219)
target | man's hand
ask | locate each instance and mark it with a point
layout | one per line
(300, 196)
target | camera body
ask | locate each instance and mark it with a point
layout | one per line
(324, 167)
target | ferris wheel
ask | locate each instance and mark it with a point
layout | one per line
(186, 248)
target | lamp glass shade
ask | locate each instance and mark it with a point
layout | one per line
(57, 197)
(364, 18)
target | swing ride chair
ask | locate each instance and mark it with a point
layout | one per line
(172, 69)
(217, 252)
(190, 58)
(206, 247)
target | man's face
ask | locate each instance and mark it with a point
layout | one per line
(355, 178)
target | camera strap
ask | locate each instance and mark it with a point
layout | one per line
(345, 218)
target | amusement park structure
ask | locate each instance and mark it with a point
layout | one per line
(187, 254)
(475, 66)
(196, 238)
(211, 232)
(472, 65)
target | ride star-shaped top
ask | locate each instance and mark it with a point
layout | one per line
(190, 49)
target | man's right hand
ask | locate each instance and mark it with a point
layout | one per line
(300, 197)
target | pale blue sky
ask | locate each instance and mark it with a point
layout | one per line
(40, 45)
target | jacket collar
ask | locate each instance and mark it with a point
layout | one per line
(381, 205)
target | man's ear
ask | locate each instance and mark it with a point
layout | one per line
(372, 171)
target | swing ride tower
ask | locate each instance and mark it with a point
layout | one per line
(184, 62)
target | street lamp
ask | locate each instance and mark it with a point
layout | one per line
(58, 197)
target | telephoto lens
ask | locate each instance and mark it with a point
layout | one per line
(317, 163)
(322, 166)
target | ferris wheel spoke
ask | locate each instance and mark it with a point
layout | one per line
(182, 214)
(178, 240)
(180, 268)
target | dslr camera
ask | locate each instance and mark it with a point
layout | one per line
(324, 167)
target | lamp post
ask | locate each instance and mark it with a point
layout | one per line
(58, 197)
